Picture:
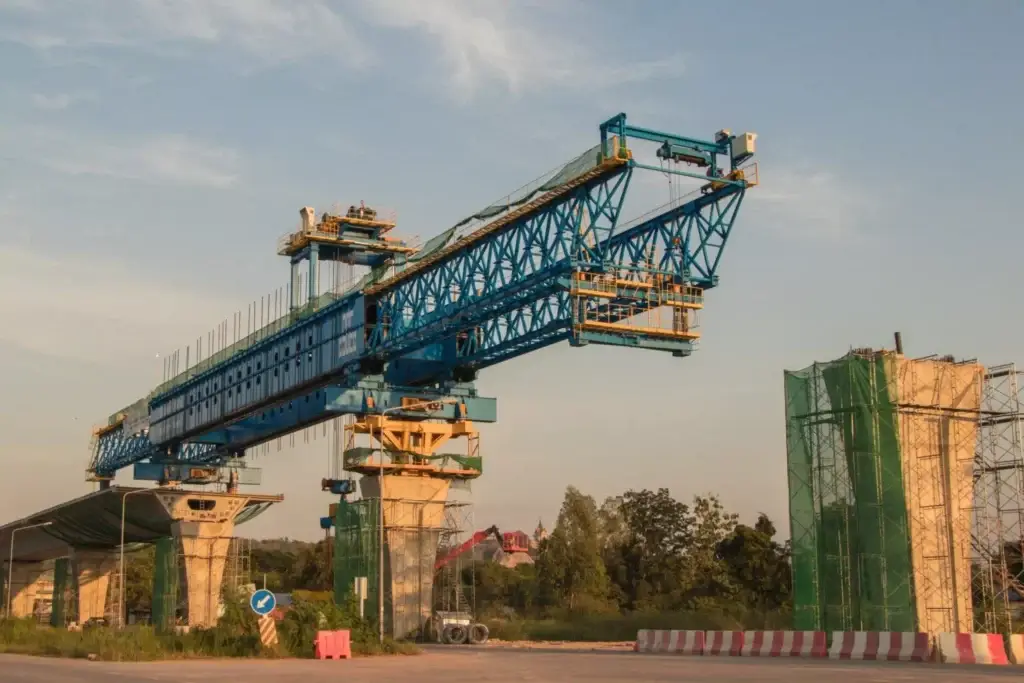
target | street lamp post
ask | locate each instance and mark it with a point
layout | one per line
(120, 583)
(380, 510)
(10, 560)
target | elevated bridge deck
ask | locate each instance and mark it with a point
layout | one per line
(93, 522)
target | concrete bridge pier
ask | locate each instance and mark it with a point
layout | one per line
(202, 526)
(92, 581)
(26, 579)
(413, 520)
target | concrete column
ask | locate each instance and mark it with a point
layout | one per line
(26, 578)
(202, 526)
(413, 520)
(92, 581)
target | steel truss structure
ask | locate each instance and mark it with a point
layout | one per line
(422, 326)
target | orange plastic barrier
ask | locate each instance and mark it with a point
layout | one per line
(333, 645)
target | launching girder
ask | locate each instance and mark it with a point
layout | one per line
(555, 265)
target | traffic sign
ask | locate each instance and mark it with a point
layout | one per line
(263, 602)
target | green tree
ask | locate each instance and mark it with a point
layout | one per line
(138, 579)
(706, 573)
(758, 566)
(502, 589)
(645, 556)
(312, 570)
(570, 571)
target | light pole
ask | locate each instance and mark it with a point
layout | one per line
(120, 584)
(10, 560)
(380, 508)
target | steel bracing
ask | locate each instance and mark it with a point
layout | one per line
(420, 329)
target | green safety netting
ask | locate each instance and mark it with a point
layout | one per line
(581, 165)
(166, 584)
(59, 604)
(848, 514)
(357, 550)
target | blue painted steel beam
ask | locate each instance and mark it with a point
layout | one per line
(617, 126)
(196, 473)
(116, 450)
(497, 297)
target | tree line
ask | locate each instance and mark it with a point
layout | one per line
(643, 551)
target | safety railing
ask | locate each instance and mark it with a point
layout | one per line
(593, 283)
(638, 318)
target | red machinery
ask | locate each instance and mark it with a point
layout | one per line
(511, 542)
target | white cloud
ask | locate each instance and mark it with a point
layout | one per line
(58, 101)
(84, 308)
(271, 30)
(523, 46)
(175, 159)
(485, 39)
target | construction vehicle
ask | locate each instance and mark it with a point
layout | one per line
(459, 627)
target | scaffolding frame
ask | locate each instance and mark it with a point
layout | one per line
(452, 593)
(997, 539)
(933, 544)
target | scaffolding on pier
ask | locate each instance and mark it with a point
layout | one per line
(412, 588)
(998, 511)
(881, 461)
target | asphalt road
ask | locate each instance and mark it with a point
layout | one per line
(495, 665)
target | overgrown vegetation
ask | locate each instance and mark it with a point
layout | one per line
(236, 635)
(640, 560)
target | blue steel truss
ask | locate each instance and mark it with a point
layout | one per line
(504, 272)
(501, 292)
(688, 240)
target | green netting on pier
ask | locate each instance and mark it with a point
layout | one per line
(357, 553)
(61, 586)
(848, 513)
(166, 579)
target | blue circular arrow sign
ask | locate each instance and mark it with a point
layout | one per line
(263, 602)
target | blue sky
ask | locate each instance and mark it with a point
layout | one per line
(152, 152)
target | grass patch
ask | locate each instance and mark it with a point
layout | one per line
(623, 627)
(237, 635)
(131, 644)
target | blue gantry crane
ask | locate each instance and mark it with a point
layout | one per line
(401, 349)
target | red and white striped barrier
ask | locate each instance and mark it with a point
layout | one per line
(673, 642)
(728, 643)
(884, 646)
(1016, 649)
(971, 648)
(784, 644)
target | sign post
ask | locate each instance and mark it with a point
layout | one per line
(263, 603)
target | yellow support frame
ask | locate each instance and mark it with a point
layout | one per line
(412, 436)
(411, 444)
